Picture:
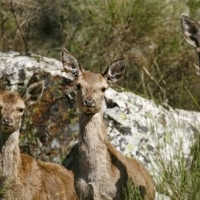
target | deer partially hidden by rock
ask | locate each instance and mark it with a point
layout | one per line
(21, 176)
(101, 171)
(191, 32)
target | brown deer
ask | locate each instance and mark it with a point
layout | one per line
(21, 176)
(101, 171)
(191, 32)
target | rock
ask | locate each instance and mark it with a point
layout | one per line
(44, 131)
(147, 129)
(136, 126)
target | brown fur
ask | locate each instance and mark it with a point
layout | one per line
(22, 177)
(101, 172)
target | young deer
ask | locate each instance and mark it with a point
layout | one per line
(22, 177)
(102, 172)
(191, 32)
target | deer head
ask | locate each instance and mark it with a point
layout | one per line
(91, 86)
(12, 106)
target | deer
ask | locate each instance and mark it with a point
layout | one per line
(21, 176)
(100, 170)
(191, 32)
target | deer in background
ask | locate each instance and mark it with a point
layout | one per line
(21, 176)
(191, 32)
(101, 171)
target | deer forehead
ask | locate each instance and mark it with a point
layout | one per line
(92, 80)
(11, 99)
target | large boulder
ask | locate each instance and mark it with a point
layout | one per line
(45, 131)
(139, 127)
(136, 126)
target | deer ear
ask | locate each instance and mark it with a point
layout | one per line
(71, 65)
(115, 71)
(33, 93)
(191, 31)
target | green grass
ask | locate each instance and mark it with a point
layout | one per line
(4, 185)
(131, 192)
(177, 179)
(180, 181)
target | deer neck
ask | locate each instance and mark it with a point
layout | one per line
(9, 154)
(92, 128)
(94, 158)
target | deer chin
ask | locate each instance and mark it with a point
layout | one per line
(89, 110)
(7, 128)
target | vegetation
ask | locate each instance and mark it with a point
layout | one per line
(180, 177)
(132, 192)
(161, 65)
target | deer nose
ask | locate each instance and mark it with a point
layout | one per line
(89, 102)
(6, 120)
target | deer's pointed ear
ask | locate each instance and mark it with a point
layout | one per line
(115, 71)
(71, 64)
(33, 93)
(191, 31)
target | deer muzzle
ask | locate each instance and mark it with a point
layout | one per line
(89, 102)
(7, 121)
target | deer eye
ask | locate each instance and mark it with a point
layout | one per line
(103, 89)
(78, 86)
(74, 72)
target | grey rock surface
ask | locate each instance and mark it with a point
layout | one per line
(146, 130)
(136, 126)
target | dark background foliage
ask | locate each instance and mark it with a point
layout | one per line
(161, 65)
